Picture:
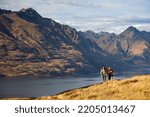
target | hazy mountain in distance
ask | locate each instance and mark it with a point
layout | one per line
(90, 35)
(130, 45)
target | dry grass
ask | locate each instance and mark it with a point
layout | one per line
(136, 88)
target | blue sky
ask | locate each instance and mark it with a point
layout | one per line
(97, 15)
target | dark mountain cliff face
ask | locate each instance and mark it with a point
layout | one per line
(33, 45)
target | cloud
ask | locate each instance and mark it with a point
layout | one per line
(16, 4)
(96, 15)
(113, 5)
(110, 23)
(75, 3)
(142, 27)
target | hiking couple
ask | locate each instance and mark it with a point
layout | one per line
(106, 72)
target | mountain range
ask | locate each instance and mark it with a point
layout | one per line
(131, 44)
(31, 45)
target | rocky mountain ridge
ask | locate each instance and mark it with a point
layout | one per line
(31, 45)
(131, 44)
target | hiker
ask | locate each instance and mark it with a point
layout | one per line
(103, 73)
(110, 73)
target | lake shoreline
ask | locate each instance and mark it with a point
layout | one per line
(35, 87)
(50, 76)
(120, 89)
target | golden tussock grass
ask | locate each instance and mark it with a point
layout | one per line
(136, 88)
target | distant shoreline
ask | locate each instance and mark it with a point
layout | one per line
(51, 76)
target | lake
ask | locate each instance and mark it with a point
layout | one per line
(35, 87)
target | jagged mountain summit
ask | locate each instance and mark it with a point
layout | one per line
(31, 45)
(131, 44)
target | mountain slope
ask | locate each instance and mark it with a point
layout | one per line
(130, 45)
(33, 45)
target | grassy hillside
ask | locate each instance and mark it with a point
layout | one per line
(135, 88)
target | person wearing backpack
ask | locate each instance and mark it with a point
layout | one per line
(103, 73)
(110, 73)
